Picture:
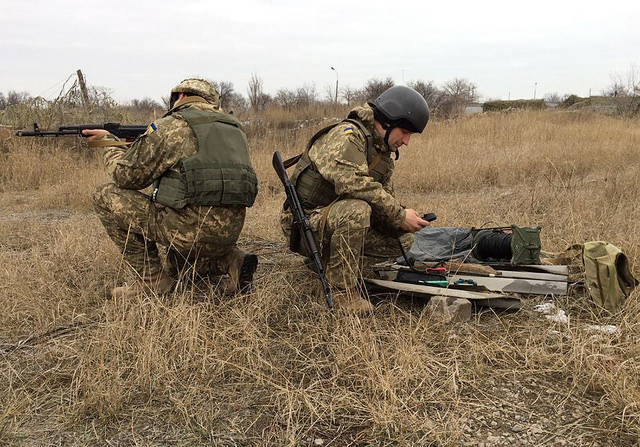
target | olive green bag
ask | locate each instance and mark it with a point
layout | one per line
(607, 274)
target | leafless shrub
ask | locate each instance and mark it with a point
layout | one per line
(374, 88)
(258, 99)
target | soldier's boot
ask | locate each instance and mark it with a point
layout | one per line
(157, 283)
(242, 266)
(350, 300)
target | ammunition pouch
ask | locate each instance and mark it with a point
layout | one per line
(607, 274)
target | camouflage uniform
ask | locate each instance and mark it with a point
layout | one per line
(200, 236)
(362, 226)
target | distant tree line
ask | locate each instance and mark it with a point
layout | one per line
(448, 100)
(13, 98)
(445, 101)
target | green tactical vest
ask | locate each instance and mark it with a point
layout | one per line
(313, 190)
(220, 173)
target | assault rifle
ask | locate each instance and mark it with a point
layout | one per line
(129, 133)
(302, 223)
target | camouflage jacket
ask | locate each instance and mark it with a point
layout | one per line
(340, 157)
(166, 142)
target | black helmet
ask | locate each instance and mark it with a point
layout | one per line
(403, 107)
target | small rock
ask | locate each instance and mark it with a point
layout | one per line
(318, 441)
(536, 429)
(447, 309)
(517, 428)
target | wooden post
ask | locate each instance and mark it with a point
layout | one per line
(83, 88)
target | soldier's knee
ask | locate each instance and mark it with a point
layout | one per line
(355, 214)
(102, 194)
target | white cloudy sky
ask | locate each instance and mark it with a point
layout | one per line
(141, 49)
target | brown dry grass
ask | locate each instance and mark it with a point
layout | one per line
(274, 367)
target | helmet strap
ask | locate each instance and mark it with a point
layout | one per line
(388, 128)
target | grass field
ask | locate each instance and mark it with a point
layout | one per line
(275, 368)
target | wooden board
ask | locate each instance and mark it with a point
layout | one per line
(556, 269)
(488, 299)
(532, 275)
(532, 283)
(515, 285)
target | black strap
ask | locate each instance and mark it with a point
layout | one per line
(367, 135)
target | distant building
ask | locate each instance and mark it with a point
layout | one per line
(473, 109)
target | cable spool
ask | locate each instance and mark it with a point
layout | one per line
(492, 245)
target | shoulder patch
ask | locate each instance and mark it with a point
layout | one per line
(347, 130)
(151, 128)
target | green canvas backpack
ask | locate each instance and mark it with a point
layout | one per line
(607, 274)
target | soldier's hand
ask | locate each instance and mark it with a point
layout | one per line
(412, 221)
(94, 134)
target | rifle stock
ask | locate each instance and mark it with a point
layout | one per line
(300, 219)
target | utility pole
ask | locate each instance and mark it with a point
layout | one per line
(336, 84)
(535, 87)
(83, 88)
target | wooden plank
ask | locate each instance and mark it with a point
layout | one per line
(502, 273)
(487, 299)
(556, 269)
(431, 291)
(500, 283)
(532, 275)
(516, 285)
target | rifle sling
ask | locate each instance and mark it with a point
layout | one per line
(291, 161)
(105, 143)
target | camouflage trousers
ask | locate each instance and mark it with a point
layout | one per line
(195, 237)
(349, 241)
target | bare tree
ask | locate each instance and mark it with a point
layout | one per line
(329, 93)
(3, 101)
(285, 98)
(14, 98)
(349, 94)
(145, 105)
(552, 98)
(617, 87)
(306, 95)
(374, 87)
(432, 94)
(624, 85)
(457, 94)
(236, 102)
(226, 91)
(256, 93)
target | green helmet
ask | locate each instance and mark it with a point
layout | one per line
(403, 107)
(198, 87)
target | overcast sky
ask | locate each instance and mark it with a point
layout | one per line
(140, 49)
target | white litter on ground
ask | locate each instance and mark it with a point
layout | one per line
(559, 317)
(607, 329)
(545, 308)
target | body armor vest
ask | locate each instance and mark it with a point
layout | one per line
(219, 174)
(313, 190)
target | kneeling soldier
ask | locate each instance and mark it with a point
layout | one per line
(197, 161)
(343, 180)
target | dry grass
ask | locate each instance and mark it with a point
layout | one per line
(274, 367)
